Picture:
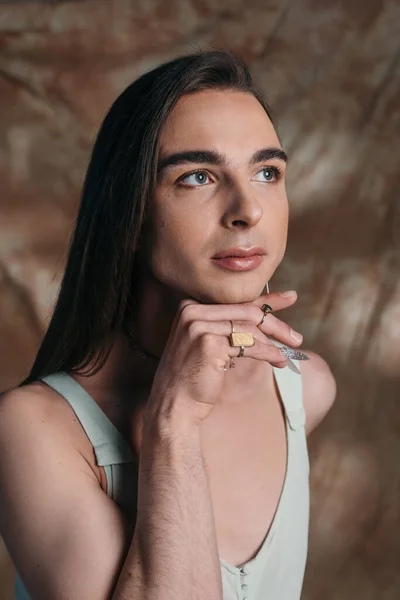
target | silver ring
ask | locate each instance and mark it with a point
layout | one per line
(241, 352)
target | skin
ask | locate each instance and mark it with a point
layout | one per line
(192, 218)
(235, 205)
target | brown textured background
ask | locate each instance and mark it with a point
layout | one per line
(331, 71)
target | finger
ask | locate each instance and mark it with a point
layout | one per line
(274, 327)
(183, 305)
(277, 300)
(219, 347)
(260, 351)
(249, 313)
(224, 328)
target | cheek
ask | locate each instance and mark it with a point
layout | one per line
(176, 237)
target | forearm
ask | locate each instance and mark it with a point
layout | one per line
(174, 551)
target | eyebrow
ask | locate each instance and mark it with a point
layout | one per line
(216, 158)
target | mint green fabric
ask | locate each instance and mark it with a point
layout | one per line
(277, 571)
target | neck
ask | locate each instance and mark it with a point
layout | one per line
(156, 308)
(150, 326)
(126, 370)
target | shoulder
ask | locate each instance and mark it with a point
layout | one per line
(319, 389)
(26, 407)
(37, 418)
(23, 408)
(49, 493)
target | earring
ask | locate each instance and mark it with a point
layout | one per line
(266, 289)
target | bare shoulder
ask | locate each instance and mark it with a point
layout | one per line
(34, 400)
(23, 408)
(35, 414)
(319, 389)
(34, 397)
(49, 492)
(37, 407)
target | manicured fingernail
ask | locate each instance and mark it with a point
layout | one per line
(296, 336)
(289, 294)
(292, 353)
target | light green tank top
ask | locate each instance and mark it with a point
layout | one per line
(277, 571)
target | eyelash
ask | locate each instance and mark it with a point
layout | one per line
(276, 170)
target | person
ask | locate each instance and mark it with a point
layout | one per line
(149, 453)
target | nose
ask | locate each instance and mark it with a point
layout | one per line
(243, 210)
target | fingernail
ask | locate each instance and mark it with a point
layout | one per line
(289, 294)
(296, 336)
(292, 353)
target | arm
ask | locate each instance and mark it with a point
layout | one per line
(69, 540)
(65, 535)
(174, 552)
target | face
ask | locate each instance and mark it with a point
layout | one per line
(220, 188)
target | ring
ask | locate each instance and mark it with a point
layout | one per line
(241, 339)
(241, 352)
(232, 361)
(266, 310)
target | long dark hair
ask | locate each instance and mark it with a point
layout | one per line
(98, 285)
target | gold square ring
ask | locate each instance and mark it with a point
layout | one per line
(241, 339)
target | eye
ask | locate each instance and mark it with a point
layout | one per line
(194, 179)
(269, 174)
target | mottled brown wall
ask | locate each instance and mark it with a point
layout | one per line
(331, 71)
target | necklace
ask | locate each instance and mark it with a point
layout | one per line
(137, 346)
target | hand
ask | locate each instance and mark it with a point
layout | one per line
(191, 372)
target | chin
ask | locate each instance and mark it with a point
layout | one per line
(230, 294)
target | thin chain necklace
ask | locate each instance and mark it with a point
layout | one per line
(137, 346)
(146, 354)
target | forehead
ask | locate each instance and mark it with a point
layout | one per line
(228, 121)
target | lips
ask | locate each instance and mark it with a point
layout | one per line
(239, 259)
(241, 252)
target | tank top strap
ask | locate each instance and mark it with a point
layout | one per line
(109, 446)
(290, 385)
